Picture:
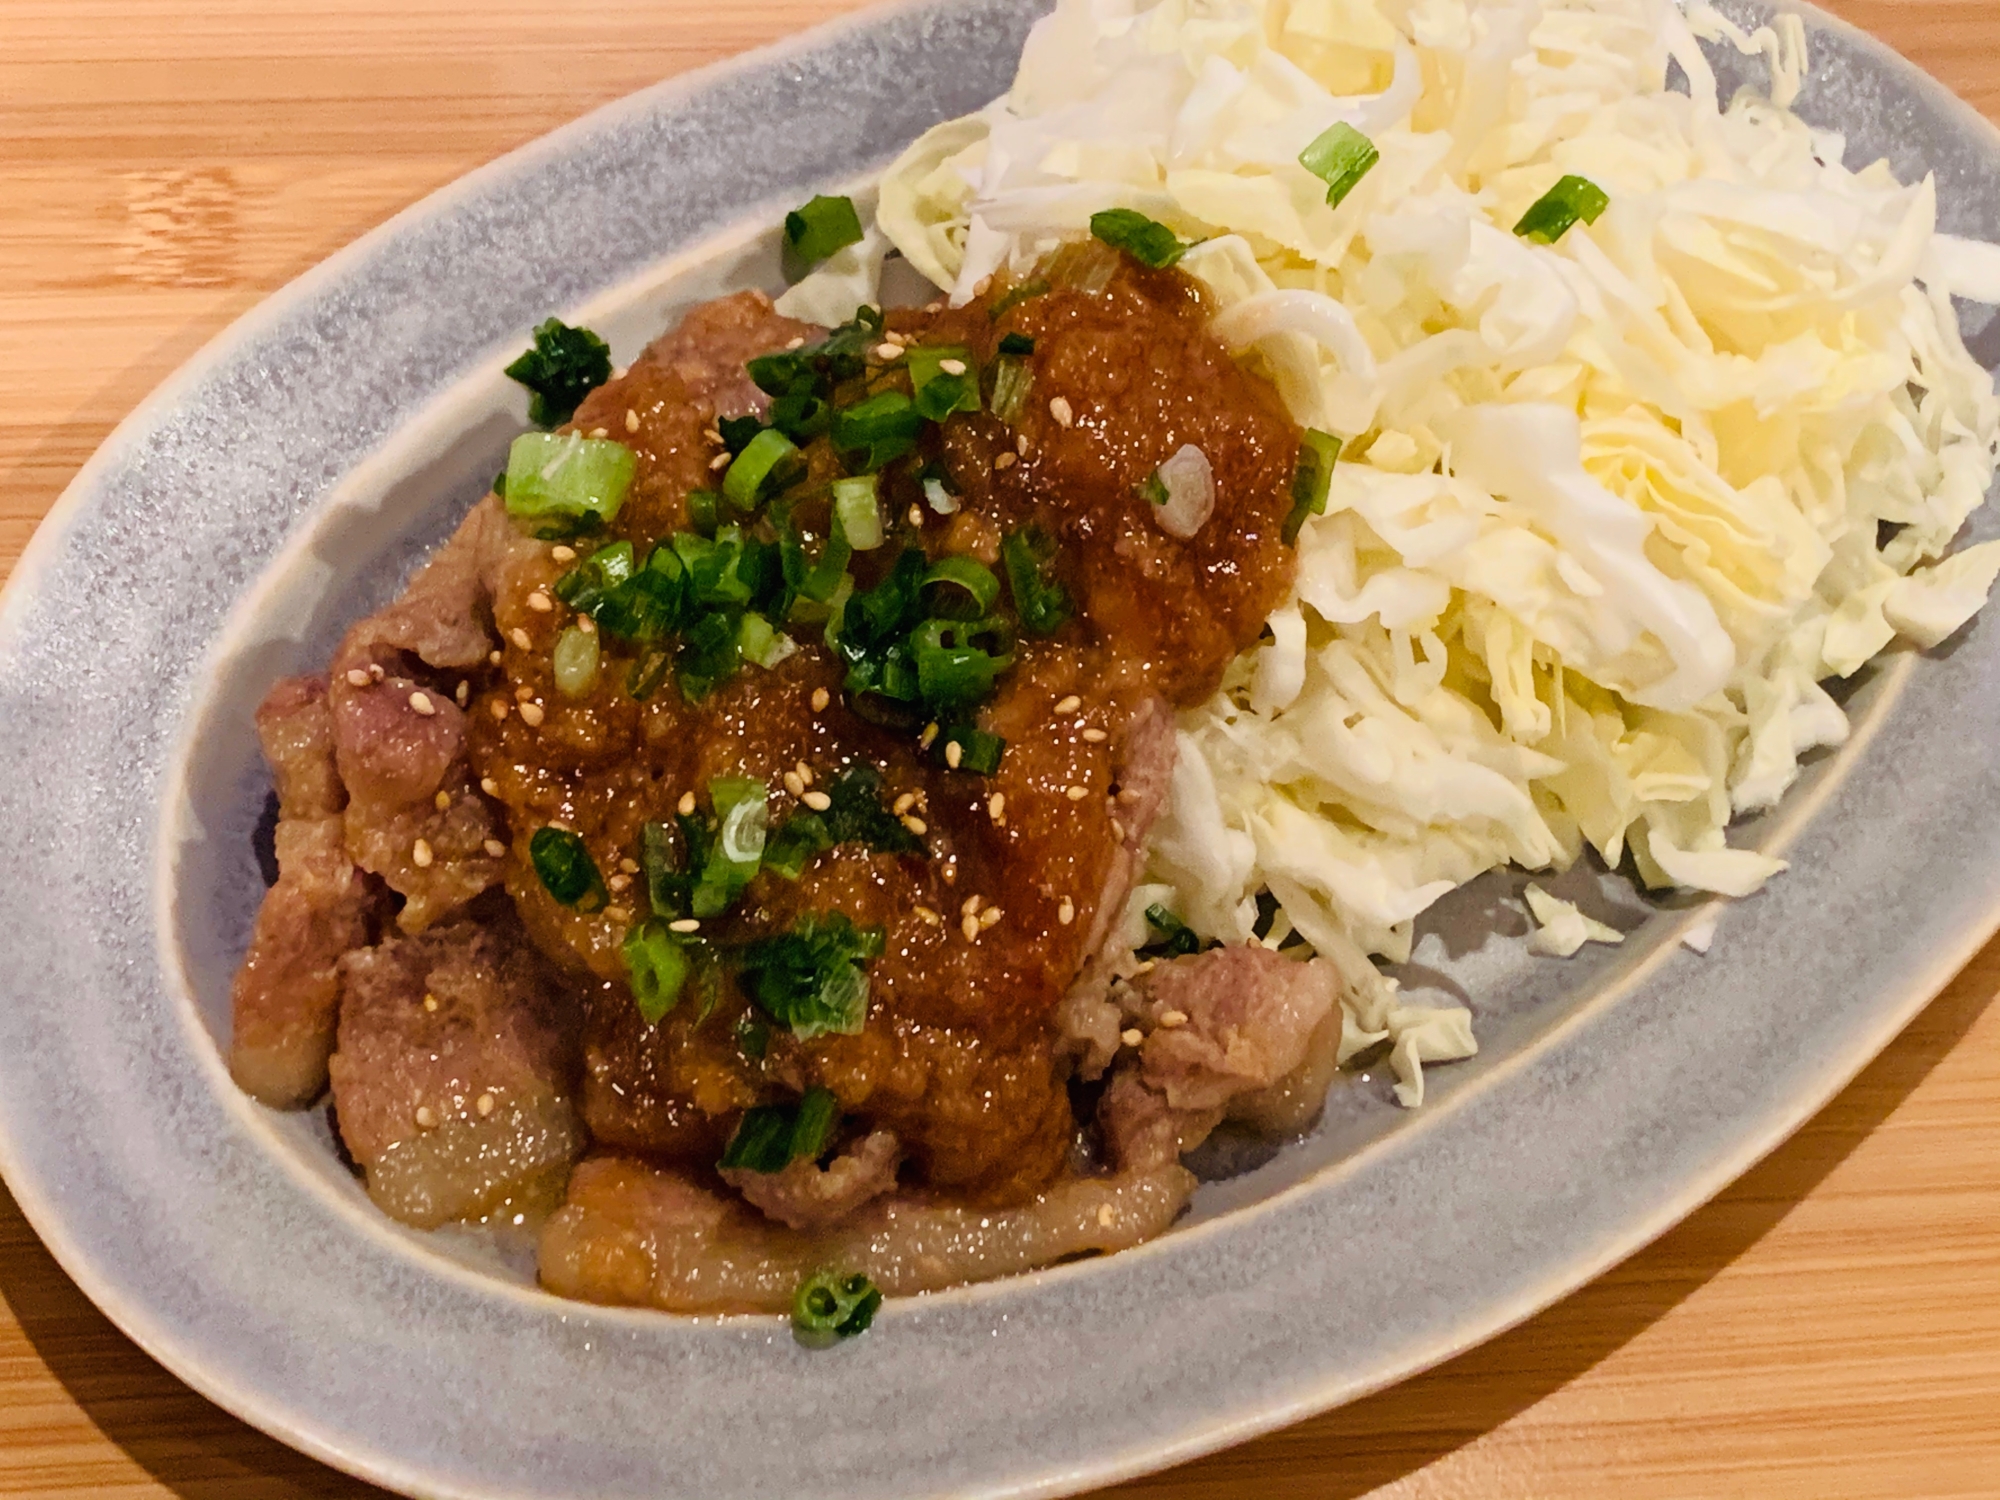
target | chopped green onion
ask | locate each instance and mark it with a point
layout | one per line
(760, 643)
(770, 1137)
(647, 605)
(802, 838)
(954, 672)
(813, 978)
(882, 428)
(1015, 296)
(816, 581)
(768, 463)
(1012, 380)
(575, 662)
(745, 811)
(658, 967)
(821, 227)
(565, 868)
(704, 510)
(1175, 935)
(1146, 240)
(736, 432)
(1017, 344)
(709, 655)
(832, 1306)
(1153, 489)
(1340, 157)
(1554, 213)
(585, 586)
(1042, 603)
(944, 380)
(753, 1036)
(647, 673)
(1311, 480)
(565, 365)
(666, 883)
(978, 752)
(571, 476)
(857, 514)
(960, 575)
(857, 814)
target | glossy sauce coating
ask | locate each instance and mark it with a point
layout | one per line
(959, 1053)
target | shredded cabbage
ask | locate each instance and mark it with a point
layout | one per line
(1610, 511)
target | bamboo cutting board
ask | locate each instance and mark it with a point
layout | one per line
(1829, 1328)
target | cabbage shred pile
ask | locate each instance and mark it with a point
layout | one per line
(1610, 512)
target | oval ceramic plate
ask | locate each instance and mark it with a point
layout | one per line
(284, 482)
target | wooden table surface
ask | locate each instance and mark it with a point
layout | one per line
(1829, 1328)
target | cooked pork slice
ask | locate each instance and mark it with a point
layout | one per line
(456, 1074)
(285, 995)
(1229, 1026)
(638, 1236)
(808, 1196)
(1089, 1020)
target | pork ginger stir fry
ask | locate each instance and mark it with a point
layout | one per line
(720, 851)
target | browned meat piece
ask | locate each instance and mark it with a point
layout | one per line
(415, 817)
(285, 995)
(1027, 869)
(808, 1196)
(636, 1236)
(455, 1078)
(1227, 1027)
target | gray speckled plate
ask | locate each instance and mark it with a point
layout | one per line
(281, 484)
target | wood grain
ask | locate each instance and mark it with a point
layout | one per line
(1829, 1328)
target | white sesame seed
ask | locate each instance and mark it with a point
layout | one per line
(817, 801)
(521, 638)
(805, 773)
(950, 873)
(420, 854)
(712, 436)
(486, 1104)
(1077, 793)
(982, 286)
(928, 917)
(686, 805)
(972, 905)
(430, 1002)
(426, 1117)
(1066, 913)
(562, 554)
(793, 785)
(953, 754)
(1133, 1037)
(928, 737)
(1069, 705)
(629, 865)
(1021, 444)
(631, 421)
(1095, 736)
(903, 803)
(821, 697)
(532, 715)
(916, 825)
(952, 366)
(442, 801)
(618, 882)
(375, 672)
(797, 343)
(617, 914)
(1118, 830)
(990, 917)
(462, 694)
(916, 515)
(421, 702)
(996, 807)
(1003, 460)
(495, 848)
(540, 602)
(970, 927)
(1059, 409)
(489, 786)
(587, 625)
(685, 924)
(1172, 1018)
(721, 461)
(500, 708)
(1146, 967)
(524, 693)
(358, 677)
(494, 658)
(1105, 1217)
(600, 432)
(887, 351)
